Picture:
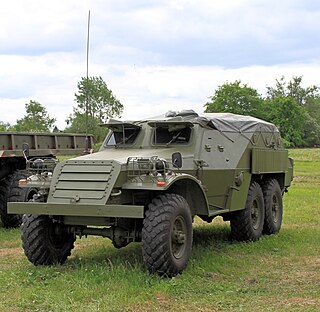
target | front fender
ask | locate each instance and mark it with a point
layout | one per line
(183, 184)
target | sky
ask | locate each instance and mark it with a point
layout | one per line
(155, 56)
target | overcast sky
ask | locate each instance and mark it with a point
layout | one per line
(154, 55)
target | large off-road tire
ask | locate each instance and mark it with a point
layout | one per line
(273, 206)
(167, 235)
(44, 241)
(11, 192)
(247, 224)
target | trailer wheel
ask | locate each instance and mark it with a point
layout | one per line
(273, 206)
(11, 192)
(167, 235)
(247, 224)
(44, 241)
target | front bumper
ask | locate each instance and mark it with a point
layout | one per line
(81, 210)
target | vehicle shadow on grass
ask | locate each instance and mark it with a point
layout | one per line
(107, 255)
(103, 253)
(216, 236)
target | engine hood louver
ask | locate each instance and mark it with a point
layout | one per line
(83, 181)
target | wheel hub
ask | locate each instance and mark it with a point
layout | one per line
(275, 208)
(255, 214)
(178, 237)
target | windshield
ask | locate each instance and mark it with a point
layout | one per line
(126, 136)
(165, 135)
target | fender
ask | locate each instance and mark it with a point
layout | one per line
(183, 184)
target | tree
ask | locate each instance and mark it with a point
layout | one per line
(308, 98)
(95, 97)
(36, 119)
(78, 125)
(4, 126)
(289, 117)
(311, 131)
(236, 98)
(293, 89)
(312, 106)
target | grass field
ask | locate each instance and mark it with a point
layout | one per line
(277, 273)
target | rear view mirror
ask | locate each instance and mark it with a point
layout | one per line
(26, 150)
(177, 160)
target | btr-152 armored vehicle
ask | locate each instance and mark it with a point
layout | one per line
(151, 178)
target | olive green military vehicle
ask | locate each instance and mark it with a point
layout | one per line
(149, 181)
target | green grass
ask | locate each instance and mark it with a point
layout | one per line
(306, 166)
(277, 273)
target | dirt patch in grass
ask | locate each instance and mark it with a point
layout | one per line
(296, 302)
(165, 303)
(298, 272)
(9, 257)
(11, 252)
(289, 304)
(307, 180)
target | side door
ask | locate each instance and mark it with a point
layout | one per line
(214, 168)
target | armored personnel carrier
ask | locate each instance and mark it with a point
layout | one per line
(151, 178)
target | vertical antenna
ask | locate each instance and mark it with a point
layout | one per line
(87, 85)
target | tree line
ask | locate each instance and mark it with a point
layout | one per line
(294, 109)
(95, 104)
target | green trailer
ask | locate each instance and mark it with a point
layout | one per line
(13, 162)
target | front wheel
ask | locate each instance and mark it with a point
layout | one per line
(167, 235)
(44, 241)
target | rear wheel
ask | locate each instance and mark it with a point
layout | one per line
(247, 224)
(273, 206)
(44, 241)
(11, 192)
(167, 235)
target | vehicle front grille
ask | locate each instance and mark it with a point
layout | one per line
(83, 181)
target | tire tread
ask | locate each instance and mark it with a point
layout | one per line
(11, 192)
(155, 233)
(36, 243)
(269, 187)
(241, 227)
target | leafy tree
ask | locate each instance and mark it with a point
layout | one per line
(289, 117)
(311, 131)
(95, 97)
(36, 119)
(236, 98)
(312, 106)
(308, 98)
(293, 89)
(78, 121)
(4, 126)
